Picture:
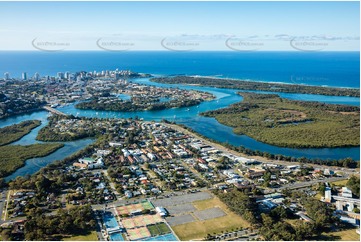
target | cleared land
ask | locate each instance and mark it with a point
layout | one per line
(343, 235)
(209, 213)
(341, 183)
(185, 198)
(199, 229)
(89, 237)
(287, 123)
(181, 208)
(15, 132)
(180, 219)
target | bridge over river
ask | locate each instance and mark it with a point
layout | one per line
(54, 111)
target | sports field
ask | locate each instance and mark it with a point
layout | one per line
(141, 221)
(128, 209)
(138, 233)
(200, 228)
(158, 229)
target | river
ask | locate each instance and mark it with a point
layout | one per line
(35, 164)
(208, 127)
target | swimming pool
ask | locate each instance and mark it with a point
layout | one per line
(110, 221)
(165, 237)
(116, 237)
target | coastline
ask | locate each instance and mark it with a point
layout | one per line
(247, 85)
(261, 81)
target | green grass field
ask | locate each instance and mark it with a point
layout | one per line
(341, 183)
(147, 205)
(343, 235)
(158, 229)
(89, 237)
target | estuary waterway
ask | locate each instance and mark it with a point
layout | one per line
(190, 117)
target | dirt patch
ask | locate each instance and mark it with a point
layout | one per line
(345, 113)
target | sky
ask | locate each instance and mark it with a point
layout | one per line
(180, 26)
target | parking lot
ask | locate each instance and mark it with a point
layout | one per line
(181, 199)
(209, 213)
(181, 219)
(182, 211)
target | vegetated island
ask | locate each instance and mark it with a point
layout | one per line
(129, 106)
(15, 132)
(12, 157)
(259, 86)
(183, 98)
(287, 123)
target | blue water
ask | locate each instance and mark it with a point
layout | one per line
(124, 96)
(207, 126)
(33, 165)
(214, 130)
(165, 237)
(322, 68)
(110, 221)
(224, 92)
(317, 68)
(116, 237)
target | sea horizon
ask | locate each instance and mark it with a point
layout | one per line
(324, 68)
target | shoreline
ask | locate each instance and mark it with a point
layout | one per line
(307, 111)
(15, 140)
(259, 158)
(263, 81)
(247, 85)
(57, 147)
(30, 111)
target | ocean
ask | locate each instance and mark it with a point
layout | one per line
(338, 69)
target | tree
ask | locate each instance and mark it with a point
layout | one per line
(278, 213)
(354, 184)
(319, 212)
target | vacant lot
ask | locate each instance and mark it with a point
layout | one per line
(340, 183)
(181, 208)
(344, 235)
(199, 229)
(92, 236)
(180, 219)
(209, 213)
(180, 199)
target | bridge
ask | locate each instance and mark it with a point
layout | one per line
(54, 111)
